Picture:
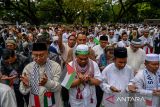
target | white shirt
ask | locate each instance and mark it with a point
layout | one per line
(51, 84)
(140, 82)
(65, 37)
(123, 43)
(87, 91)
(112, 40)
(91, 44)
(146, 40)
(98, 51)
(7, 96)
(136, 59)
(112, 76)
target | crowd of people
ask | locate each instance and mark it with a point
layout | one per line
(111, 62)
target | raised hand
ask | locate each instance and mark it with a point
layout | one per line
(4, 77)
(25, 80)
(132, 88)
(43, 80)
(87, 78)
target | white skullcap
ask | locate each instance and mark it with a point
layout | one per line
(152, 57)
(82, 49)
(55, 38)
(91, 35)
(111, 31)
(146, 30)
(136, 42)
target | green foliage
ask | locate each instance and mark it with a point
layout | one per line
(80, 11)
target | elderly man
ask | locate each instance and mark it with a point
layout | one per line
(147, 42)
(147, 82)
(116, 77)
(82, 92)
(41, 79)
(11, 44)
(136, 55)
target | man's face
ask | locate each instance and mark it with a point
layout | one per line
(152, 66)
(111, 34)
(134, 47)
(134, 33)
(82, 60)
(110, 53)
(120, 62)
(81, 39)
(104, 32)
(30, 37)
(125, 37)
(40, 57)
(103, 43)
(10, 46)
(91, 39)
(72, 41)
(10, 60)
(146, 34)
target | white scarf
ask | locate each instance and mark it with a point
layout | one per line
(150, 83)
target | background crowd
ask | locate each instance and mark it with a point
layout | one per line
(18, 47)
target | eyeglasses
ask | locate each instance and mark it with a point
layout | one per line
(36, 56)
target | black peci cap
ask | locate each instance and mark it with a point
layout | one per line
(120, 52)
(39, 47)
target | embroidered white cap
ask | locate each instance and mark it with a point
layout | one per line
(136, 42)
(82, 49)
(152, 57)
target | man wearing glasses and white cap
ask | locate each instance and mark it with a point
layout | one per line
(147, 82)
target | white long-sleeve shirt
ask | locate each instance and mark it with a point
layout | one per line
(148, 40)
(7, 96)
(136, 59)
(52, 84)
(112, 76)
(88, 91)
(140, 81)
(98, 51)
